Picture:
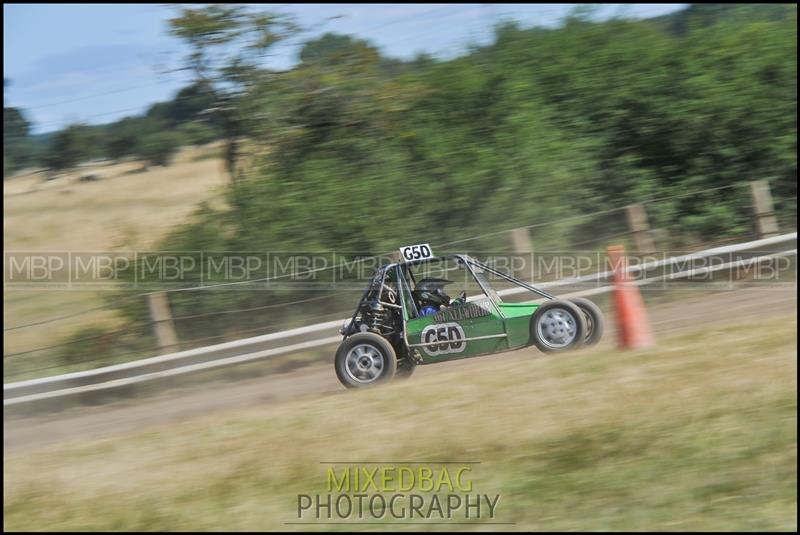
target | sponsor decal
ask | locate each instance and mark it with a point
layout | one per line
(444, 338)
(390, 295)
(468, 311)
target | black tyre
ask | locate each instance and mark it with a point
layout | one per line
(364, 360)
(558, 326)
(594, 320)
(405, 369)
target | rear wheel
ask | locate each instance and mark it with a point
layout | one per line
(558, 326)
(365, 359)
(594, 320)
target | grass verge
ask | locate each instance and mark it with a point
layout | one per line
(699, 433)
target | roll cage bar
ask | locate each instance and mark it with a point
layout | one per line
(471, 263)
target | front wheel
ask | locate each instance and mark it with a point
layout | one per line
(558, 326)
(365, 359)
(405, 368)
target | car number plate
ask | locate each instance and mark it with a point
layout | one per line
(416, 252)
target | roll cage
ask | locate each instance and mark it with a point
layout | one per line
(400, 274)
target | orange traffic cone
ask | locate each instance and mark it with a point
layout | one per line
(633, 327)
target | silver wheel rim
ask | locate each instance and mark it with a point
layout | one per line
(364, 363)
(557, 328)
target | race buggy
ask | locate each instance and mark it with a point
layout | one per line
(405, 318)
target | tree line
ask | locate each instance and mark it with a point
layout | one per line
(153, 137)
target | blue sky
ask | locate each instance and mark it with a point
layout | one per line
(99, 62)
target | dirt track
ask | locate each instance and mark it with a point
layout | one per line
(686, 314)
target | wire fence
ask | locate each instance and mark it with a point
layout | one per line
(549, 224)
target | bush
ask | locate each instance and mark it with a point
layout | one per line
(198, 133)
(71, 146)
(159, 148)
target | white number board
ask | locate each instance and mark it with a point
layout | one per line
(415, 252)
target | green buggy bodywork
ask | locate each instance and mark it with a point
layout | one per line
(466, 329)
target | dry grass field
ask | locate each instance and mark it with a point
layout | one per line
(128, 208)
(699, 433)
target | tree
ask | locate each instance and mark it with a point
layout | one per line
(185, 114)
(124, 137)
(15, 126)
(192, 103)
(197, 132)
(159, 148)
(331, 49)
(228, 44)
(17, 147)
(70, 146)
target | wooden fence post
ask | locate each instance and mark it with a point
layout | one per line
(766, 223)
(523, 246)
(162, 322)
(637, 222)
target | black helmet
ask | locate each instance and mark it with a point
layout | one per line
(432, 291)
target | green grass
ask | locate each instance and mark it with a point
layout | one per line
(699, 433)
